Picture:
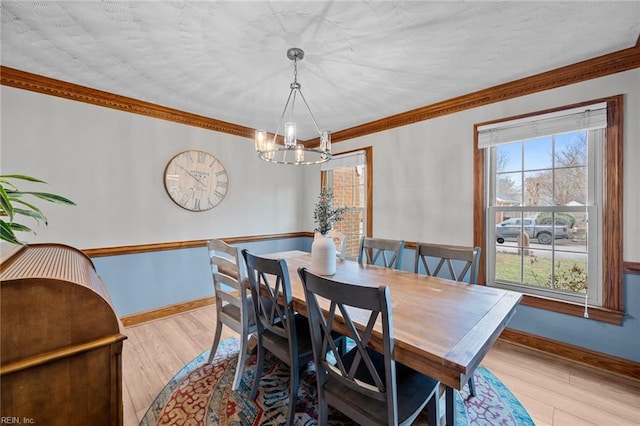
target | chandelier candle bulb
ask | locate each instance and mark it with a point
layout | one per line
(290, 138)
(261, 140)
(325, 140)
(299, 153)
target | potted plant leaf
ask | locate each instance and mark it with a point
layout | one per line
(323, 249)
(325, 214)
(13, 205)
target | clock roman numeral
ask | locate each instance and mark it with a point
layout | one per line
(219, 195)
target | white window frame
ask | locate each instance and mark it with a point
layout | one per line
(593, 207)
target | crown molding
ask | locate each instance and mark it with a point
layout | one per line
(622, 60)
(49, 86)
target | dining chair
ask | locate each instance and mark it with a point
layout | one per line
(368, 386)
(234, 307)
(340, 241)
(280, 330)
(457, 263)
(371, 249)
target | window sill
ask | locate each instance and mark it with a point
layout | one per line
(574, 309)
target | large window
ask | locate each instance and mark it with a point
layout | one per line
(551, 204)
(348, 175)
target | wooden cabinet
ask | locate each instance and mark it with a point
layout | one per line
(60, 340)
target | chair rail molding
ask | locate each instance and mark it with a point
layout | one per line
(176, 245)
(631, 268)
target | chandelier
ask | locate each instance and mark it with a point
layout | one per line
(291, 152)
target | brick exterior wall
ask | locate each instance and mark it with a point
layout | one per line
(348, 190)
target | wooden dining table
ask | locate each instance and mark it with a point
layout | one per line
(442, 328)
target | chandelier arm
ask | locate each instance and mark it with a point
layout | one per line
(310, 113)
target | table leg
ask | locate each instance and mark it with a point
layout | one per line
(450, 407)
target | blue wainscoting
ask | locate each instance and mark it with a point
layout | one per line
(142, 282)
(622, 341)
(145, 281)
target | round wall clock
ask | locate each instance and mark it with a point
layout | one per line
(196, 180)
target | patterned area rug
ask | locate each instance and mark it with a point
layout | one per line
(200, 394)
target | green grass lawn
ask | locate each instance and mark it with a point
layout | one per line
(570, 275)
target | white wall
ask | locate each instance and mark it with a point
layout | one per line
(111, 164)
(423, 173)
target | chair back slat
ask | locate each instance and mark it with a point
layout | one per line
(389, 251)
(234, 305)
(458, 263)
(231, 299)
(229, 276)
(230, 281)
(361, 381)
(327, 328)
(374, 304)
(271, 292)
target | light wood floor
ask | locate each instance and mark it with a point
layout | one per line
(554, 391)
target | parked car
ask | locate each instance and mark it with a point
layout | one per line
(511, 228)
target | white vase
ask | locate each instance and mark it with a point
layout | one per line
(323, 255)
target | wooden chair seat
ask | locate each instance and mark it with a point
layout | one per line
(233, 312)
(279, 346)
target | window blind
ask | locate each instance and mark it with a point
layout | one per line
(589, 117)
(339, 161)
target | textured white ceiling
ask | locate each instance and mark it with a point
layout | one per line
(364, 60)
